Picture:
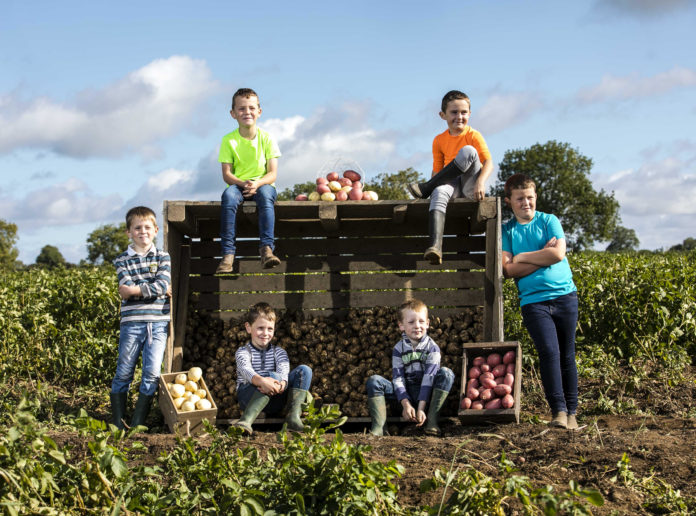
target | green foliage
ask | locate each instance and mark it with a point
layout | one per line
(564, 188)
(289, 194)
(8, 239)
(393, 186)
(106, 242)
(689, 244)
(50, 257)
(623, 239)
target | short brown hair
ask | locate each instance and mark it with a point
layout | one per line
(453, 95)
(518, 182)
(412, 304)
(142, 212)
(260, 310)
(244, 92)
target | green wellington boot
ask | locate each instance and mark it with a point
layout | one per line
(436, 228)
(437, 400)
(142, 409)
(296, 398)
(118, 408)
(377, 407)
(256, 404)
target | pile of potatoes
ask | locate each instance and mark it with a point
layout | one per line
(187, 393)
(333, 187)
(491, 382)
(343, 351)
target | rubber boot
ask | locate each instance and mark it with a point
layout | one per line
(377, 407)
(296, 398)
(572, 422)
(256, 404)
(423, 190)
(268, 259)
(141, 410)
(437, 400)
(118, 408)
(225, 264)
(436, 227)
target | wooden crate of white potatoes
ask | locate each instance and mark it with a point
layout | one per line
(185, 401)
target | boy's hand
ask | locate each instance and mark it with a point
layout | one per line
(420, 417)
(169, 291)
(408, 413)
(250, 188)
(128, 291)
(551, 243)
(479, 190)
(269, 386)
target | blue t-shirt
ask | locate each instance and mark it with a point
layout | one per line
(546, 282)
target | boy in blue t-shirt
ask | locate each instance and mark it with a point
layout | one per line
(534, 249)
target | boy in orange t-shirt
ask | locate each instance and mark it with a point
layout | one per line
(461, 166)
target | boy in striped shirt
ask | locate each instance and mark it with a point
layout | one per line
(416, 372)
(263, 374)
(144, 284)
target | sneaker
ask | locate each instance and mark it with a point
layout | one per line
(225, 264)
(414, 189)
(560, 420)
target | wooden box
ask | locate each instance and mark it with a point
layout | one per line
(484, 416)
(188, 423)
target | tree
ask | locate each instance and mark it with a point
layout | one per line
(623, 239)
(689, 244)
(289, 194)
(50, 257)
(8, 239)
(563, 186)
(106, 242)
(393, 186)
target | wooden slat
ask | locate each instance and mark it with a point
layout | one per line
(336, 281)
(352, 299)
(180, 304)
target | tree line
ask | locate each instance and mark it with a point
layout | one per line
(561, 173)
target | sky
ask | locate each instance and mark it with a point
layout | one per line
(105, 105)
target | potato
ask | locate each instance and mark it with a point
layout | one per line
(495, 403)
(479, 360)
(191, 386)
(332, 176)
(352, 175)
(194, 374)
(509, 357)
(314, 196)
(510, 368)
(194, 398)
(203, 404)
(178, 402)
(335, 186)
(476, 405)
(488, 383)
(472, 394)
(341, 195)
(345, 182)
(509, 380)
(487, 374)
(177, 390)
(187, 406)
(507, 401)
(181, 378)
(301, 197)
(466, 403)
(499, 370)
(355, 194)
(474, 372)
(472, 382)
(323, 188)
(486, 394)
(370, 195)
(485, 368)
(201, 393)
(494, 359)
(502, 389)
(322, 181)
(328, 196)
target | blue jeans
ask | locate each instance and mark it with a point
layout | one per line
(148, 338)
(265, 198)
(379, 386)
(299, 378)
(551, 324)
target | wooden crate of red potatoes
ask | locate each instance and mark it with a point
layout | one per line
(491, 382)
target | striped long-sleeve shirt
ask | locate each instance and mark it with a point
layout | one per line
(152, 273)
(415, 366)
(252, 361)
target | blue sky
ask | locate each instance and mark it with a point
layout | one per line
(107, 105)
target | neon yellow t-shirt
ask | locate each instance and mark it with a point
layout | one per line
(248, 157)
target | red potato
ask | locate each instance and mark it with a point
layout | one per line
(487, 374)
(499, 370)
(509, 380)
(474, 372)
(473, 382)
(322, 180)
(479, 360)
(341, 195)
(499, 380)
(507, 401)
(510, 368)
(509, 357)
(357, 184)
(494, 404)
(345, 181)
(301, 197)
(488, 383)
(466, 403)
(486, 394)
(323, 188)
(356, 194)
(472, 394)
(502, 389)
(352, 175)
(332, 176)
(485, 368)
(476, 405)
(494, 359)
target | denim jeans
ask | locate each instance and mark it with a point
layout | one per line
(148, 338)
(379, 386)
(551, 324)
(265, 198)
(299, 378)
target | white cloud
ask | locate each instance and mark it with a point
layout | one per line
(633, 86)
(639, 8)
(132, 114)
(505, 110)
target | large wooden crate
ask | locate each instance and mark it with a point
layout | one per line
(335, 256)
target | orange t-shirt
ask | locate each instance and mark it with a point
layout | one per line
(446, 147)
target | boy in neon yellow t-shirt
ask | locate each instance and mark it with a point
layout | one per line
(249, 158)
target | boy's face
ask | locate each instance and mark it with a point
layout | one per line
(261, 332)
(246, 111)
(142, 232)
(457, 115)
(414, 323)
(523, 203)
